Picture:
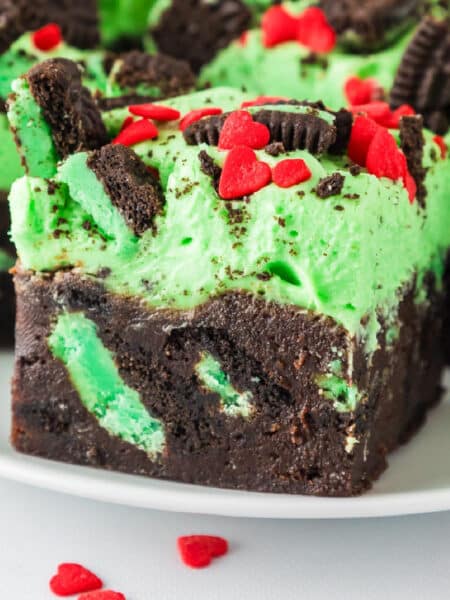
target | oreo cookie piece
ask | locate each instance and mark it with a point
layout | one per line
(67, 106)
(294, 131)
(195, 30)
(133, 190)
(423, 77)
(17, 17)
(369, 24)
(412, 143)
(171, 76)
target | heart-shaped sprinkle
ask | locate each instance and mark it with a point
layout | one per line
(289, 172)
(243, 174)
(239, 129)
(378, 111)
(137, 132)
(197, 551)
(384, 158)
(392, 121)
(278, 26)
(442, 145)
(261, 100)
(102, 595)
(363, 132)
(126, 123)
(361, 91)
(73, 578)
(47, 38)
(197, 114)
(154, 111)
(314, 31)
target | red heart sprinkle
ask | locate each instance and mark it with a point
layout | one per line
(410, 185)
(278, 26)
(314, 31)
(363, 132)
(197, 551)
(154, 111)
(442, 145)
(360, 91)
(384, 158)
(243, 39)
(197, 114)
(290, 171)
(135, 133)
(263, 100)
(48, 37)
(243, 174)
(378, 111)
(239, 129)
(72, 578)
(127, 122)
(392, 121)
(102, 595)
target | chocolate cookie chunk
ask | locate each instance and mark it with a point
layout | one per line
(171, 76)
(295, 131)
(195, 30)
(17, 17)
(133, 190)
(68, 107)
(330, 186)
(412, 143)
(365, 24)
(423, 77)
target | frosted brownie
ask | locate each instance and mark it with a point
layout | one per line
(239, 297)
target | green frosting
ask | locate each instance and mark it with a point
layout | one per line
(349, 256)
(91, 368)
(287, 69)
(345, 397)
(123, 19)
(215, 380)
(11, 167)
(36, 142)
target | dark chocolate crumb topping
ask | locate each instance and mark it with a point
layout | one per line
(330, 186)
(205, 131)
(423, 77)
(133, 189)
(195, 30)
(365, 24)
(68, 107)
(275, 149)
(173, 77)
(412, 144)
(210, 168)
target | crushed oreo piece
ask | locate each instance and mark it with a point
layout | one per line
(68, 107)
(330, 186)
(365, 24)
(438, 121)
(343, 123)
(133, 189)
(275, 149)
(173, 77)
(412, 143)
(423, 77)
(195, 30)
(78, 20)
(106, 104)
(209, 167)
(205, 131)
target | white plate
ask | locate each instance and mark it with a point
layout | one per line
(417, 481)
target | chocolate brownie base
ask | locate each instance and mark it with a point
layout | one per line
(294, 442)
(7, 296)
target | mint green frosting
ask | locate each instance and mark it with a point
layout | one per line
(94, 374)
(11, 167)
(36, 142)
(346, 257)
(215, 380)
(345, 397)
(123, 19)
(279, 71)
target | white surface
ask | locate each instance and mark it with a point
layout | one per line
(417, 481)
(133, 550)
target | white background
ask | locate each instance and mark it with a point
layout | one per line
(134, 551)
